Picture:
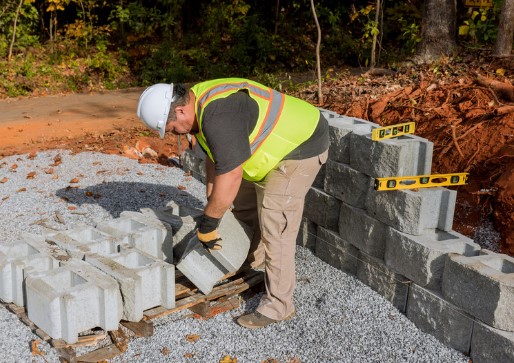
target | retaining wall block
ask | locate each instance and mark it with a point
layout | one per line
(335, 251)
(483, 286)
(86, 239)
(147, 234)
(491, 345)
(322, 208)
(392, 286)
(422, 258)
(347, 184)
(435, 316)
(18, 259)
(145, 282)
(413, 211)
(182, 220)
(340, 129)
(319, 181)
(307, 234)
(73, 298)
(204, 268)
(194, 163)
(363, 231)
(402, 156)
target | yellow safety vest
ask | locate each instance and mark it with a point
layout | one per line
(284, 122)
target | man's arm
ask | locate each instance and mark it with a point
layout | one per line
(221, 189)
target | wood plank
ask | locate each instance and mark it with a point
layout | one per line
(141, 328)
(100, 355)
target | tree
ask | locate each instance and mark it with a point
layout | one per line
(438, 30)
(318, 61)
(503, 45)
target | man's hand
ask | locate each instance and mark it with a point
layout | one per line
(208, 234)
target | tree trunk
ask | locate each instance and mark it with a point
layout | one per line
(9, 56)
(438, 30)
(318, 62)
(503, 45)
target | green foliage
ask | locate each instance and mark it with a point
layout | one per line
(479, 26)
(26, 27)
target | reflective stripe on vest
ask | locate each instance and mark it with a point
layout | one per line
(275, 99)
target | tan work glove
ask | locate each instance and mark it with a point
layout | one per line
(208, 234)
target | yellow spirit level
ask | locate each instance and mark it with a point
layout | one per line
(420, 181)
(387, 132)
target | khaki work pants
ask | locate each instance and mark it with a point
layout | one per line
(273, 208)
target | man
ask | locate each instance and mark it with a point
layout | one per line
(264, 150)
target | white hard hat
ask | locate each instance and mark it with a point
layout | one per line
(154, 106)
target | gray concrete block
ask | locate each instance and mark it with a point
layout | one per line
(73, 298)
(422, 258)
(307, 234)
(204, 268)
(18, 259)
(336, 252)
(81, 240)
(402, 156)
(147, 234)
(321, 208)
(363, 231)
(490, 345)
(413, 211)
(483, 286)
(392, 286)
(194, 163)
(145, 282)
(340, 128)
(347, 184)
(319, 181)
(435, 316)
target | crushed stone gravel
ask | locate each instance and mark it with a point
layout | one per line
(339, 319)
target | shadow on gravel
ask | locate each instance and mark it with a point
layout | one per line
(117, 197)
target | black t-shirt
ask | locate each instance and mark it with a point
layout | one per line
(228, 122)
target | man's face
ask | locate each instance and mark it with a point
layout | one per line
(183, 122)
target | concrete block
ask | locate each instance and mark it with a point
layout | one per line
(363, 231)
(307, 234)
(483, 286)
(335, 251)
(340, 129)
(413, 211)
(491, 345)
(319, 181)
(145, 282)
(181, 219)
(402, 156)
(422, 258)
(328, 113)
(147, 234)
(392, 286)
(194, 163)
(18, 259)
(204, 268)
(322, 208)
(81, 240)
(73, 298)
(435, 316)
(347, 184)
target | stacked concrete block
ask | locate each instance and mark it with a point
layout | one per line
(483, 286)
(362, 231)
(322, 208)
(194, 163)
(347, 184)
(392, 286)
(432, 314)
(491, 345)
(83, 240)
(206, 267)
(307, 234)
(403, 156)
(413, 211)
(145, 282)
(335, 251)
(73, 298)
(18, 259)
(147, 234)
(422, 258)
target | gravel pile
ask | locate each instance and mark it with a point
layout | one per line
(339, 319)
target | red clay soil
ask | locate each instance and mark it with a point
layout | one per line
(467, 114)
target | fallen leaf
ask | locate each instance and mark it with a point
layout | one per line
(189, 355)
(140, 173)
(21, 190)
(74, 180)
(14, 166)
(35, 349)
(500, 71)
(49, 171)
(228, 359)
(165, 351)
(31, 175)
(57, 160)
(71, 207)
(4, 180)
(191, 338)
(55, 177)
(88, 193)
(181, 187)
(32, 155)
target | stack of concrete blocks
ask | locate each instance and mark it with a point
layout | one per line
(401, 243)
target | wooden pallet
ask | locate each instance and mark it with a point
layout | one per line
(224, 297)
